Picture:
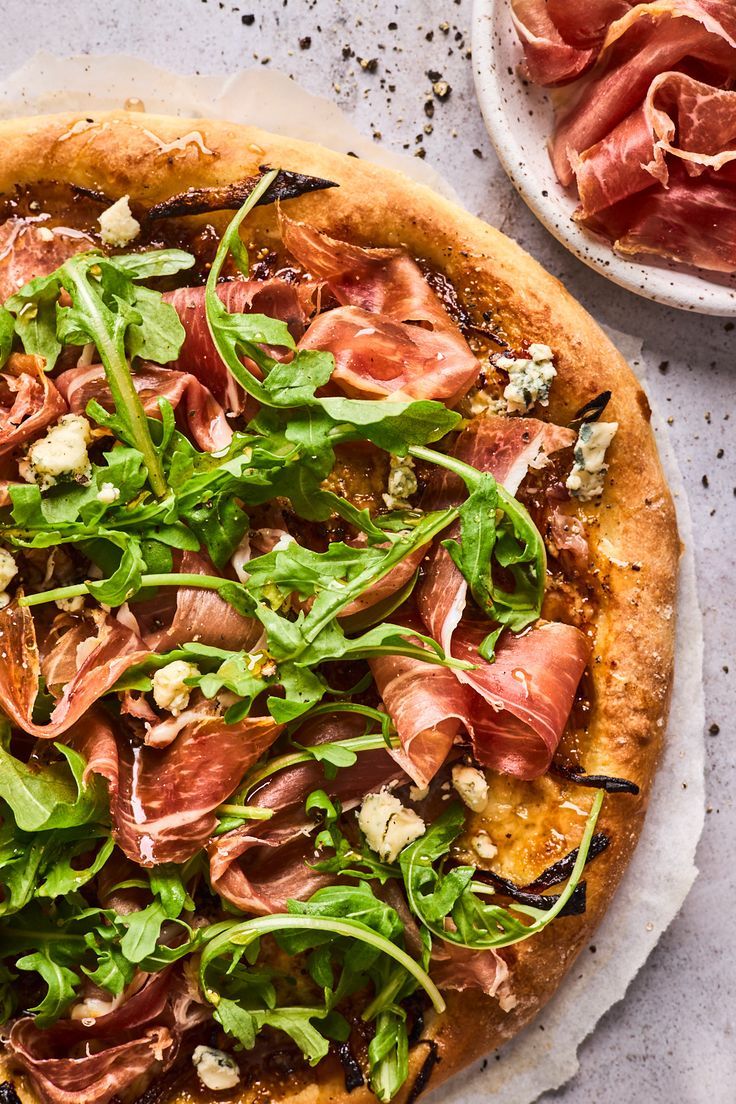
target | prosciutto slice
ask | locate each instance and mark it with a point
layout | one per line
(162, 802)
(391, 335)
(117, 649)
(198, 615)
(515, 708)
(199, 357)
(29, 401)
(549, 56)
(198, 411)
(260, 866)
(77, 1062)
(428, 706)
(29, 248)
(456, 967)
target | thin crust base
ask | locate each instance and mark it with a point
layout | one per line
(633, 533)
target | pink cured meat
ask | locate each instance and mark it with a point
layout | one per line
(391, 336)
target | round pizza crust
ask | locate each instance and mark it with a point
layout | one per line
(632, 533)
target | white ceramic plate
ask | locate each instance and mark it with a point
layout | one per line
(518, 117)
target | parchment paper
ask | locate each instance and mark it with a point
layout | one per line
(663, 869)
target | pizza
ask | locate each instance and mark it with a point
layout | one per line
(338, 579)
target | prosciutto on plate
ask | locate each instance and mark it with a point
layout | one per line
(647, 133)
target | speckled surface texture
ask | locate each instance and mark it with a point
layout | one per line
(671, 1041)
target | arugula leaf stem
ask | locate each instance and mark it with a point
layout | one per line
(245, 812)
(207, 582)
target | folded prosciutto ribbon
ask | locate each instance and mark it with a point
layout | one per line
(515, 709)
(646, 123)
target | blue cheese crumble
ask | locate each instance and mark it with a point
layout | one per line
(60, 455)
(170, 690)
(388, 826)
(585, 481)
(215, 1069)
(530, 378)
(117, 225)
(402, 483)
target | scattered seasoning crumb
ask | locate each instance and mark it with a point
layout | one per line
(305, 43)
(369, 64)
(421, 152)
(478, 153)
(714, 729)
(445, 27)
(429, 36)
(429, 108)
(247, 20)
(441, 89)
(428, 128)
(434, 75)
(705, 481)
(393, 26)
(347, 52)
(664, 366)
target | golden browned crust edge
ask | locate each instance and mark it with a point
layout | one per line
(635, 542)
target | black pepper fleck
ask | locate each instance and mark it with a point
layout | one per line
(305, 43)
(247, 20)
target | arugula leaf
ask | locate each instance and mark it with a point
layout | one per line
(388, 1054)
(118, 317)
(154, 262)
(61, 982)
(170, 899)
(495, 525)
(244, 1025)
(312, 929)
(53, 796)
(34, 307)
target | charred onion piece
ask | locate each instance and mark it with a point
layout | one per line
(8, 1095)
(230, 197)
(351, 1070)
(592, 410)
(598, 781)
(575, 906)
(421, 1079)
(553, 875)
(561, 870)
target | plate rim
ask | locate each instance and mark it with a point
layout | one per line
(645, 281)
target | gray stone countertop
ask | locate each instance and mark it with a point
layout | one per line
(671, 1040)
